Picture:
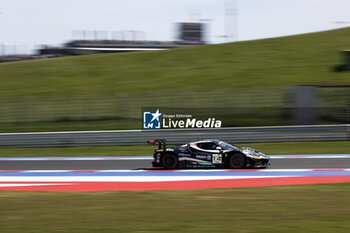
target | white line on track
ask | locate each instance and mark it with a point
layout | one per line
(122, 178)
(182, 170)
(309, 156)
(43, 171)
(325, 156)
(21, 185)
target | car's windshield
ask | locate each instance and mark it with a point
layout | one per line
(226, 146)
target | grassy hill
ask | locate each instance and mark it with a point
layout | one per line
(292, 60)
(108, 91)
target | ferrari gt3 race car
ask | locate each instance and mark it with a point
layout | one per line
(207, 154)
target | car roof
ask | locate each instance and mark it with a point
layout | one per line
(206, 141)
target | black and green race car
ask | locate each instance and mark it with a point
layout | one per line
(207, 154)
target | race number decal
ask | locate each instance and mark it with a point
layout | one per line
(217, 158)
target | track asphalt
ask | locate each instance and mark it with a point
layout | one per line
(276, 163)
(136, 173)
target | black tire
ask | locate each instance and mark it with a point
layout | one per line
(237, 161)
(169, 161)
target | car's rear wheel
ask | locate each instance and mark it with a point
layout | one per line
(169, 161)
(237, 161)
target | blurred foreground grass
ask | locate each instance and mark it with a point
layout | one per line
(302, 208)
(282, 148)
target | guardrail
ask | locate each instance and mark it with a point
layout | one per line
(176, 136)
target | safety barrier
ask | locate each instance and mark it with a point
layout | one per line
(176, 136)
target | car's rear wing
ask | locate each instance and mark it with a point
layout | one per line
(161, 143)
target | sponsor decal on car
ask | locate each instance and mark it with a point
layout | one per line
(201, 156)
(204, 163)
(217, 158)
(183, 154)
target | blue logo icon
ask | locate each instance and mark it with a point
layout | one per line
(151, 120)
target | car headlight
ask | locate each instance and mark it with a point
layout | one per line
(248, 153)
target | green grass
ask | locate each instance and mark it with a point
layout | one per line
(108, 91)
(304, 208)
(282, 148)
(292, 60)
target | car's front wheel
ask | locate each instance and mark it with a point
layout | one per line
(237, 161)
(169, 161)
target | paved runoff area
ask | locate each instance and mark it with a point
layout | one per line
(104, 178)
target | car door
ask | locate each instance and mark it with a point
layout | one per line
(208, 151)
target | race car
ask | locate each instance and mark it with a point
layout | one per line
(207, 154)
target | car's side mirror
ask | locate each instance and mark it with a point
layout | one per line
(218, 148)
